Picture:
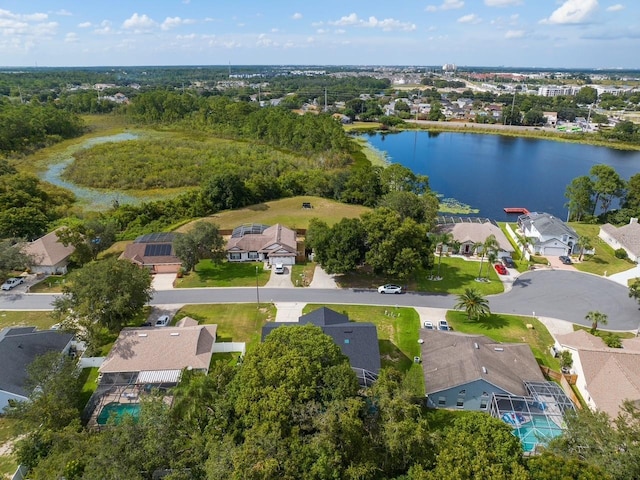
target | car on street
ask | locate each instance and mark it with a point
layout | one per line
(443, 325)
(501, 269)
(508, 262)
(163, 321)
(279, 269)
(390, 288)
(565, 259)
(11, 283)
(429, 325)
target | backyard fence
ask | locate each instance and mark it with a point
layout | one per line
(227, 347)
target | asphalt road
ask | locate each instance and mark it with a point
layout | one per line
(558, 294)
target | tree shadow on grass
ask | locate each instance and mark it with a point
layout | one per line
(491, 322)
(392, 356)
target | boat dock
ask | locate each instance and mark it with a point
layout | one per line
(520, 210)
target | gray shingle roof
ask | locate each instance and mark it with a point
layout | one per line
(546, 224)
(451, 359)
(628, 236)
(357, 340)
(19, 347)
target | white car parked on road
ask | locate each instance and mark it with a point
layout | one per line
(11, 283)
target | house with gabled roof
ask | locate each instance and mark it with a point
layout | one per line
(548, 235)
(357, 340)
(157, 355)
(606, 377)
(470, 231)
(154, 251)
(626, 237)
(463, 371)
(263, 243)
(19, 346)
(48, 255)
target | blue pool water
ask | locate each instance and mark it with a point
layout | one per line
(538, 430)
(119, 410)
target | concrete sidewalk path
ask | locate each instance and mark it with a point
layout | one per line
(288, 311)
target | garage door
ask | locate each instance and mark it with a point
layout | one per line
(554, 251)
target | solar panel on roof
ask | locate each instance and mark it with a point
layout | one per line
(157, 250)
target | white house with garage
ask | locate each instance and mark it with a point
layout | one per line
(548, 235)
(262, 243)
(626, 237)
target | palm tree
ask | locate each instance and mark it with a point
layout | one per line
(585, 244)
(474, 303)
(441, 239)
(596, 318)
(490, 244)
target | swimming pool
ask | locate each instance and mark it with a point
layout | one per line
(119, 410)
(537, 431)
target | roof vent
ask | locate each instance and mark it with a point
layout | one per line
(499, 349)
(174, 334)
(475, 345)
(142, 334)
(484, 370)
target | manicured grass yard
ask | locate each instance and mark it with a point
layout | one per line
(50, 284)
(302, 274)
(8, 463)
(236, 322)
(225, 274)
(457, 275)
(604, 259)
(509, 329)
(41, 320)
(397, 337)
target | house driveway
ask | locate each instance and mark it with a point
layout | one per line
(322, 279)
(163, 281)
(623, 277)
(556, 264)
(288, 311)
(280, 280)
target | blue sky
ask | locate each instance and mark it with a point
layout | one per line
(518, 33)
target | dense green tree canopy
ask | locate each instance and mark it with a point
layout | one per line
(202, 241)
(105, 294)
(579, 194)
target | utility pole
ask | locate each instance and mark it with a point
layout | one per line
(325, 99)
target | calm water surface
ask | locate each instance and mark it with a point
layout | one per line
(490, 172)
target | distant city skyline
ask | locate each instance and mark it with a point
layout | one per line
(509, 33)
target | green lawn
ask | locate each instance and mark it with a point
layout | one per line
(509, 329)
(225, 274)
(8, 466)
(457, 275)
(604, 259)
(41, 320)
(603, 332)
(236, 322)
(51, 284)
(302, 274)
(8, 432)
(397, 337)
(287, 211)
(90, 378)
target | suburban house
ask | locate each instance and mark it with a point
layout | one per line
(157, 355)
(626, 237)
(263, 243)
(548, 235)
(48, 255)
(463, 371)
(606, 376)
(154, 251)
(472, 231)
(19, 346)
(357, 340)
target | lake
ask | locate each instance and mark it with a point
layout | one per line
(490, 172)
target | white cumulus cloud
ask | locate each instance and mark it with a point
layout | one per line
(502, 3)
(296, 16)
(446, 5)
(387, 24)
(84, 25)
(615, 8)
(573, 12)
(173, 22)
(514, 34)
(139, 23)
(470, 18)
(71, 37)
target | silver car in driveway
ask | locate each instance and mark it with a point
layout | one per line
(11, 283)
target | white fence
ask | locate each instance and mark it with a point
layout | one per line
(226, 347)
(89, 362)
